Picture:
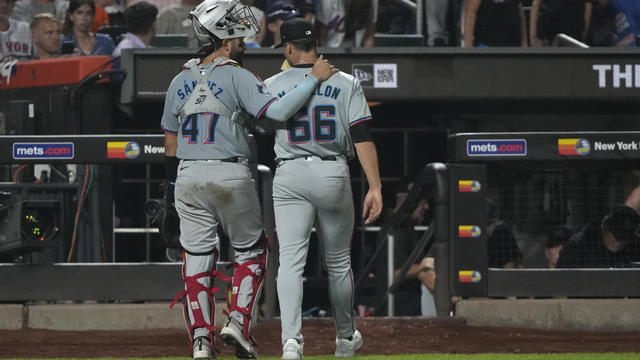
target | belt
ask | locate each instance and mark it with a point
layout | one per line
(234, 159)
(310, 157)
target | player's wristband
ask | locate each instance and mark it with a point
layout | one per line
(171, 167)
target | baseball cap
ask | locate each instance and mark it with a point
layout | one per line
(282, 10)
(296, 29)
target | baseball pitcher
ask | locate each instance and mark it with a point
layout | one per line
(312, 186)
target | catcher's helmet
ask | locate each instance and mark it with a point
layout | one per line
(222, 19)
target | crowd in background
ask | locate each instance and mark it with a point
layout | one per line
(35, 29)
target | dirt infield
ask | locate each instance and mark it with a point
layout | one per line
(381, 336)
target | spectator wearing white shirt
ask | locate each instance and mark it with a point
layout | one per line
(141, 20)
(15, 36)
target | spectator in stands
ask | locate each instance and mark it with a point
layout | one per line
(331, 22)
(495, 23)
(602, 30)
(502, 248)
(362, 16)
(342, 23)
(15, 36)
(436, 18)
(551, 17)
(174, 19)
(414, 296)
(277, 14)
(76, 30)
(26, 10)
(254, 41)
(615, 23)
(627, 22)
(307, 9)
(101, 18)
(141, 18)
(46, 32)
(610, 241)
(558, 236)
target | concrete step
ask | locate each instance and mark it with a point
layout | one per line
(553, 314)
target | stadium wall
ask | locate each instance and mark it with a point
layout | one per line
(614, 315)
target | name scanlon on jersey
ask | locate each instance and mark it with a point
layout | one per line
(321, 127)
(189, 112)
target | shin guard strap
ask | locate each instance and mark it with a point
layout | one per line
(240, 273)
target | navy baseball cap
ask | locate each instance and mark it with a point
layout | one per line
(281, 10)
(296, 29)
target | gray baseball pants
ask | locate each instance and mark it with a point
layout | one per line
(210, 193)
(308, 191)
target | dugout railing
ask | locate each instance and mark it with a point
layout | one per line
(430, 183)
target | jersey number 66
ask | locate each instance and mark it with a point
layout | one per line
(322, 123)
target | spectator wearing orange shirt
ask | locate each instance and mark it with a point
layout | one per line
(101, 18)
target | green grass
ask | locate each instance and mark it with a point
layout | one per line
(583, 356)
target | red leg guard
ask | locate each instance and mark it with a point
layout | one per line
(191, 301)
(241, 271)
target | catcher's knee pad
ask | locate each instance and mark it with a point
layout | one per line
(244, 291)
(198, 272)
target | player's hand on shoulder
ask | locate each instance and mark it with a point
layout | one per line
(322, 69)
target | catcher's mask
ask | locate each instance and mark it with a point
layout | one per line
(222, 19)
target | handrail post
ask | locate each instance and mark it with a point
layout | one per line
(390, 274)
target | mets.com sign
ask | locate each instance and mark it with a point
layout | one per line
(497, 147)
(49, 150)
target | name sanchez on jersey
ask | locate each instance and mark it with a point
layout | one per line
(322, 90)
(187, 89)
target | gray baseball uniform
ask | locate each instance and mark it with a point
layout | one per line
(205, 107)
(312, 186)
(214, 184)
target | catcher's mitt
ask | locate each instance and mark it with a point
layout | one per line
(164, 214)
(169, 224)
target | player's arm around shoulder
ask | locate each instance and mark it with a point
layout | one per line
(291, 102)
